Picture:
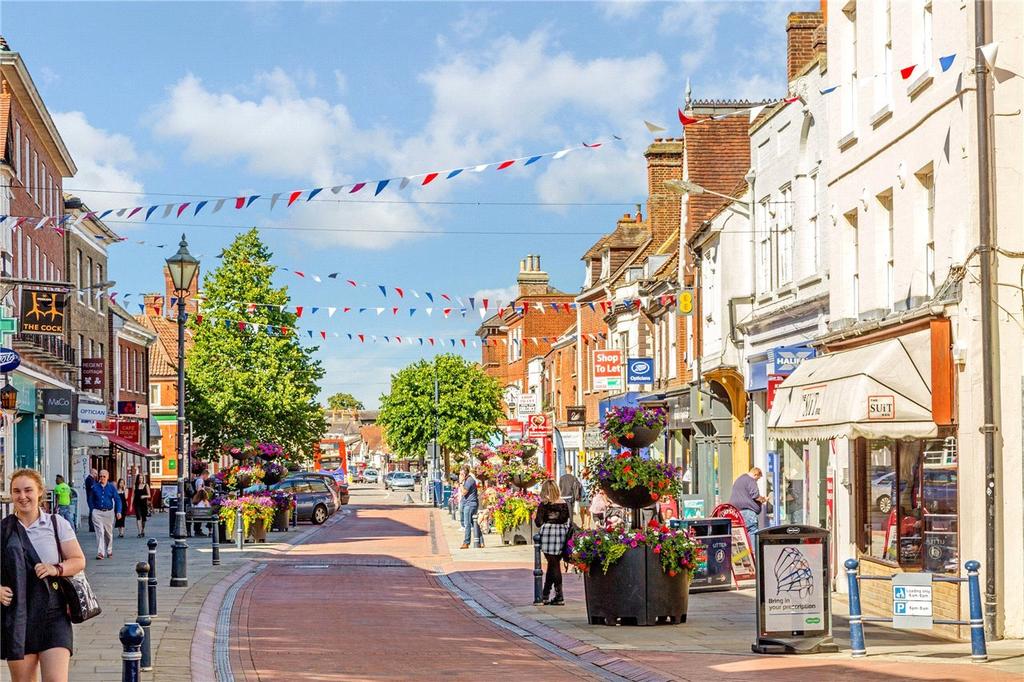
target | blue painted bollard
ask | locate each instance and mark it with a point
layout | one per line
(979, 651)
(857, 649)
(131, 636)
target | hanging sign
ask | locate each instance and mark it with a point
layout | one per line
(640, 371)
(607, 370)
(42, 312)
(538, 426)
(527, 404)
(785, 359)
(774, 381)
(572, 440)
(126, 407)
(9, 360)
(129, 430)
(57, 404)
(92, 373)
(89, 414)
(593, 440)
(576, 415)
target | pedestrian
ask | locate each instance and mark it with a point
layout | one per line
(89, 480)
(62, 496)
(470, 506)
(36, 636)
(122, 494)
(585, 495)
(570, 488)
(599, 508)
(201, 500)
(106, 508)
(553, 517)
(142, 493)
(747, 498)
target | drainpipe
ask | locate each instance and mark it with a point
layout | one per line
(989, 344)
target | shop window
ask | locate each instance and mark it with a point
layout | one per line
(156, 467)
(908, 503)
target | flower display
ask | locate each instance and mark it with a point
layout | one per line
(489, 469)
(269, 451)
(627, 471)
(273, 472)
(281, 500)
(523, 473)
(676, 549)
(512, 509)
(621, 422)
(239, 476)
(255, 508)
(517, 448)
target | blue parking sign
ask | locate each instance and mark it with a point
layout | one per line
(640, 371)
(900, 608)
(899, 593)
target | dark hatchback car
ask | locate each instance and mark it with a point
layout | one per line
(336, 483)
(314, 499)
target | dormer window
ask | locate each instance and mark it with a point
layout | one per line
(588, 274)
(634, 274)
(606, 264)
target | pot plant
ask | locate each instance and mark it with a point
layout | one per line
(257, 515)
(273, 473)
(633, 481)
(283, 505)
(523, 474)
(241, 477)
(512, 514)
(633, 427)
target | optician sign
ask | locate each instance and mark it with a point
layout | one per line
(607, 369)
(640, 371)
(9, 360)
(89, 414)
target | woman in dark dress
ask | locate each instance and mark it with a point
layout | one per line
(122, 492)
(553, 518)
(141, 495)
(36, 636)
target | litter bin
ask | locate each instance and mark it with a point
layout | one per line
(446, 495)
(714, 555)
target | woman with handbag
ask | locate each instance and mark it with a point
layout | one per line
(553, 517)
(141, 493)
(38, 552)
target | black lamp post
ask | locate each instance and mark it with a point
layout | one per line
(182, 267)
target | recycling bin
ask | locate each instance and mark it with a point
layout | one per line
(714, 554)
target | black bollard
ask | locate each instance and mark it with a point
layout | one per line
(215, 539)
(152, 576)
(143, 619)
(131, 636)
(538, 572)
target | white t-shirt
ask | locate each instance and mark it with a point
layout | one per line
(40, 534)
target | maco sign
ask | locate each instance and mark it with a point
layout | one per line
(57, 404)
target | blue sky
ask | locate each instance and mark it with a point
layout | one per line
(181, 101)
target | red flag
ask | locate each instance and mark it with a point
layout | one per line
(356, 187)
(352, 282)
(401, 294)
(399, 339)
(284, 331)
(362, 339)
(566, 306)
(907, 71)
(156, 310)
(684, 119)
(345, 310)
(298, 311)
(446, 297)
(323, 335)
(300, 273)
(431, 340)
(182, 208)
(447, 311)
(134, 211)
(485, 304)
(294, 195)
(429, 178)
(239, 202)
(592, 146)
(505, 164)
(241, 326)
(394, 311)
(463, 342)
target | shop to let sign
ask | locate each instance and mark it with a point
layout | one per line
(607, 369)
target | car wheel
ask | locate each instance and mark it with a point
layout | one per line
(884, 504)
(319, 514)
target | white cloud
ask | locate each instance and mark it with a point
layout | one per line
(365, 225)
(697, 25)
(613, 172)
(105, 161)
(622, 9)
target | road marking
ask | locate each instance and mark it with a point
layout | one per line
(222, 633)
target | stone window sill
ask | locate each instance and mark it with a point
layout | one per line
(922, 82)
(881, 116)
(847, 140)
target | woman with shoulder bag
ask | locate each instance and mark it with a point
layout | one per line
(553, 518)
(141, 497)
(36, 637)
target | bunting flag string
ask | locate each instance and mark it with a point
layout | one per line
(189, 209)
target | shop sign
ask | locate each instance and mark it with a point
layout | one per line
(9, 360)
(129, 430)
(42, 312)
(785, 359)
(57, 404)
(538, 426)
(640, 371)
(89, 414)
(92, 373)
(881, 407)
(527, 404)
(607, 370)
(126, 407)
(576, 415)
(773, 385)
(593, 440)
(572, 440)
(794, 598)
(912, 600)
(513, 429)
(106, 426)
(810, 403)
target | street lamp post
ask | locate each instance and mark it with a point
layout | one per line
(182, 267)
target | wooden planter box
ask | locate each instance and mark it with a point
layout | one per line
(635, 591)
(258, 532)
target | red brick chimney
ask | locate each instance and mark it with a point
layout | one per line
(803, 41)
(664, 162)
(532, 280)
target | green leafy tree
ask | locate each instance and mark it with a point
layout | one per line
(245, 383)
(344, 401)
(469, 406)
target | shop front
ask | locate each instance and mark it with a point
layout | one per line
(877, 418)
(710, 469)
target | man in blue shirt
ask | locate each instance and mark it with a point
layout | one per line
(470, 506)
(106, 505)
(746, 497)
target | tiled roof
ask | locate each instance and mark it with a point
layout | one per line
(163, 355)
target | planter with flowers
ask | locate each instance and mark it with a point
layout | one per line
(257, 515)
(512, 515)
(268, 451)
(519, 449)
(284, 503)
(240, 477)
(635, 577)
(633, 427)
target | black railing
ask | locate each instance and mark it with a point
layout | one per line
(50, 345)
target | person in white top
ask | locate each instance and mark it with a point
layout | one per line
(36, 639)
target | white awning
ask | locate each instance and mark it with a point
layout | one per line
(82, 439)
(883, 390)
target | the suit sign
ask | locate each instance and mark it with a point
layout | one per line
(42, 312)
(92, 373)
(538, 426)
(640, 371)
(576, 415)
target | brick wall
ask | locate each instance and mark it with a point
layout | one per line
(876, 598)
(803, 40)
(664, 162)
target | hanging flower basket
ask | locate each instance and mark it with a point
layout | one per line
(633, 427)
(641, 437)
(630, 498)
(633, 481)
(273, 473)
(269, 451)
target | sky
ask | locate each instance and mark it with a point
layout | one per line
(163, 102)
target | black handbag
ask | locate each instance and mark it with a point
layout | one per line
(76, 590)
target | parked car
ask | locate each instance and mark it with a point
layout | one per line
(369, 476)
(400, 480)
(340, 480)
(314, 499)
(940, 489)
(388, 476)
(338, 486)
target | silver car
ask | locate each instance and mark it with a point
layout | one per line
(400, 480)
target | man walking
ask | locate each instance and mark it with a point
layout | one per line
(106, 506)
(470, 506)
(748, 499)
(62, 496)
(570, 488)
(89, 480)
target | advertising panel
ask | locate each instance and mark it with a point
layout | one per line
(794, 598)
(607, 370)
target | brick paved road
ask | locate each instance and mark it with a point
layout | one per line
(360, 601)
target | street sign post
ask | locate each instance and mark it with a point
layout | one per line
(912, 601)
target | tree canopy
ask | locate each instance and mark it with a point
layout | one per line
(255, 385)
(344, 401)
(469, 406)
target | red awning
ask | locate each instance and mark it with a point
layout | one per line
(132, 447)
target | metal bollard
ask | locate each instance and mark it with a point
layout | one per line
(979, 651)
(131, 636)
(152, 577)
(143, 619)
(857, 649)
(538, 572)
(239, 536)
(215, 534)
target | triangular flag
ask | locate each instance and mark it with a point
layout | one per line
(379, 311)
(654, 127)
(273, 200)
(401, 294)
(313, 311)
(505, 164)
(989, 53)
(199, 207)
(323, 335)
(182, 208)
(394, 311)
(239, 202)
(907, 70)
(293, 196)
(149, 211)
(248, 202)
(218, 205)
(825, 91)
(946, 62)
(429, 178)
(313, 193)
(403, 184)
(684, 119)
(380, 186)
(167, 210)
(756, 111)
(453, 173)
(412, 311)
(356, 187)
(331, 311)
(533, 159)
